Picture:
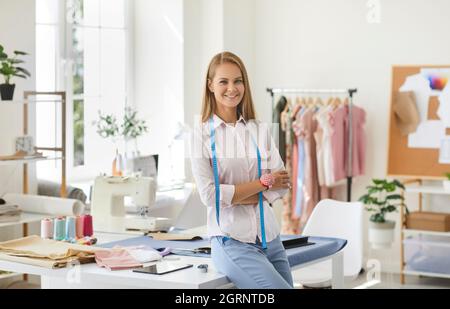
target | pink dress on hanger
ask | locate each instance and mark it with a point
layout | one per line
(340, 141)
(306, 126)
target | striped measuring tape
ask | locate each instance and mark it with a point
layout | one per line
(217, 183)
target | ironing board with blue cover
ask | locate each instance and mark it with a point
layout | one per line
(322, 247)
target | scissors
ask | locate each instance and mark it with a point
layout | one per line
(204, 250)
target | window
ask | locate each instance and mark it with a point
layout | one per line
(81, 48)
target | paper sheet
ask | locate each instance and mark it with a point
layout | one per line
(422, 91)
(444, 106)
(437, 79)
(444, 151)
(428, 135)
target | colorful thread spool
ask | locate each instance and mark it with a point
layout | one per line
(79, 227)
(46, 228)
(59, 231)
(70, 228)
(87, 225)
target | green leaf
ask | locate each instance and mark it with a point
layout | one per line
(378, 181)
(373, 190)
(378, 217)
(399, 184)
(24, 71)
(20, 75)
(16, 61)
(18, 52)
(394, 197)
(390, 187)
(391, 208)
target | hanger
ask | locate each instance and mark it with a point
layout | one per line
(330, 101)
(297, 107)
(318, 102)
(287, 106)
(337, 101)
(310, 102)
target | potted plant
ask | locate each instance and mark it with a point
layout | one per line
(446, 182)
(132, 128)
(9, 69)
(107, 127)
(381, 198)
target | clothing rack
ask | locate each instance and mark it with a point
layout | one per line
(350, 92)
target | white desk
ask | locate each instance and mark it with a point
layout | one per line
(25, 218)
(90, 276)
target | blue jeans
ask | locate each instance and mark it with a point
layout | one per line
(248, 266)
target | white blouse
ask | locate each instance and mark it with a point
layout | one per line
(237, 163)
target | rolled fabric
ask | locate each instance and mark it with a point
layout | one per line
(45, 204)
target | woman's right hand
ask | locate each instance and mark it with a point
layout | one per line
(282, 180)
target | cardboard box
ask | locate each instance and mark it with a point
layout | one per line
(429, 221)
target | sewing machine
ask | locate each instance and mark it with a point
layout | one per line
(108, 207)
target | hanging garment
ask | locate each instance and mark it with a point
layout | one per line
(288, 224)
(358, 140)
(296, 150)
(305, 128)
(299, 166)
(323, 152)
(279, 135)
(340, 141)
(325, 155)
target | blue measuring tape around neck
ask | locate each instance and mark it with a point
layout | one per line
(217, 183)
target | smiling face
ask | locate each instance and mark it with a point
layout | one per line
(227, 85)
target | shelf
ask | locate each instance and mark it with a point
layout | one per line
(12, 162)
(9, 275)
(26, 217)
(421, 273)
(18, 102)
(422, 232)
(426, 189)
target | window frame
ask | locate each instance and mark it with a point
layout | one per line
(64, 80)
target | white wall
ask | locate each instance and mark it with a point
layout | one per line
(15, 35)
(158, 75)
(17, 19)
(331, 44)
(320, 44)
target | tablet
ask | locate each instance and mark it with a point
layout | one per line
(162, 268)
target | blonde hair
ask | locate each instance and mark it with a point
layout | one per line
(245, 107)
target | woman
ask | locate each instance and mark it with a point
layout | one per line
(239, 173)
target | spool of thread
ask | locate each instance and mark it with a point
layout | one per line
(87, 225)
(79, 227)
(70, 228)
(59, 228)
(46, 228)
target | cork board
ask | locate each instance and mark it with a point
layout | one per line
(404, 161)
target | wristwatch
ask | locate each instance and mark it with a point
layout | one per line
(267, 180)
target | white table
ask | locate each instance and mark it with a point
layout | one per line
(24, 219)
(90, 276)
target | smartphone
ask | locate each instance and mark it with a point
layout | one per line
(162, 268)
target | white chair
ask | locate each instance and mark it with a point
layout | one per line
(337, 219)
